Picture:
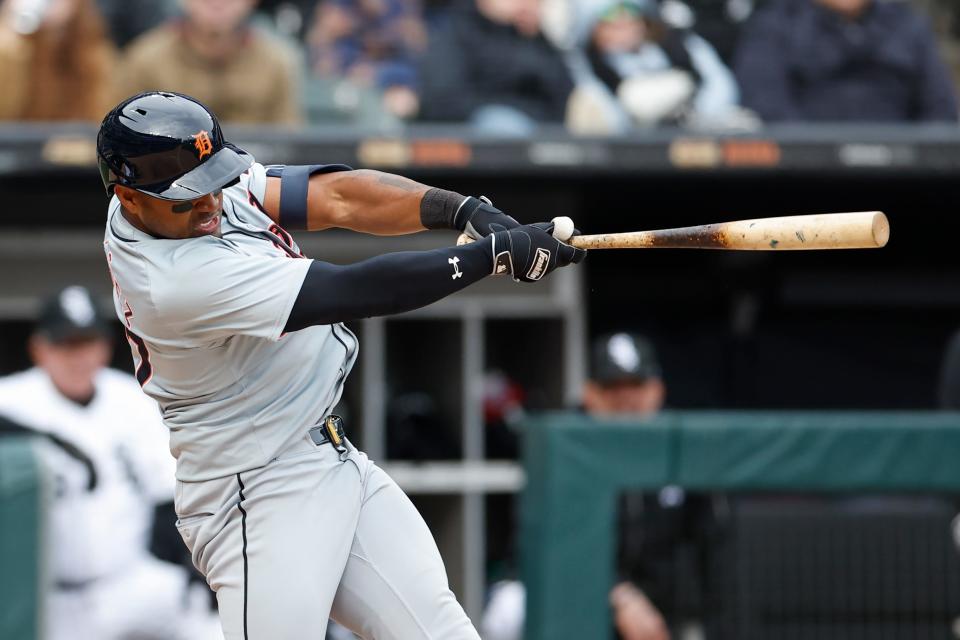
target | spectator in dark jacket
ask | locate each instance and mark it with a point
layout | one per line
(493, 67)
(843, 60)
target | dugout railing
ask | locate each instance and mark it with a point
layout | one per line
(578, 467)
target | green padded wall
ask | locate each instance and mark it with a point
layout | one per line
(21, 513)
(576, 467)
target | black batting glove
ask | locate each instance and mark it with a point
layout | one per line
(530, 252)
(478, 218)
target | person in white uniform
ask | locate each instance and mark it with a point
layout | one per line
(240, 340)
(103, 443)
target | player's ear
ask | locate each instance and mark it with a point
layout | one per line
(36, 348)
(128, 198)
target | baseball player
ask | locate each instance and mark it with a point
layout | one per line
(104, 448)
(240, 340)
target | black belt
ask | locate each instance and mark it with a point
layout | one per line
(330, 430)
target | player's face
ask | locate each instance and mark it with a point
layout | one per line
(72, 364)
(629, 397)
(174, 219)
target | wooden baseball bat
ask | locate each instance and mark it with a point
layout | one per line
(860, 230)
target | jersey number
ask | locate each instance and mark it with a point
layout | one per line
(144, 368)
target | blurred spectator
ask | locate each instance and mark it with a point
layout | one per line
(648, 73)
(491, 66)
(945, 18)
(663, 534)
(56, 60)
(110, 463)
(373, 44)
(843, 60)
(127, 19)
(718, 21)
(288, 17)
(213, 53)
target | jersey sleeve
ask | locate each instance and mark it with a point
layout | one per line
(214, 293)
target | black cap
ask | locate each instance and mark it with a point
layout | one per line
(71, 314)
(168, 146)
(623, 356)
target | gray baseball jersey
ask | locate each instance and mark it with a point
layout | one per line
(287, 532)
(205, 317)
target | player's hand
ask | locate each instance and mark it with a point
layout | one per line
(635, 616)
(530, 252)
(478, 218)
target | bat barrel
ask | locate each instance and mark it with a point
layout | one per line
(858, 230)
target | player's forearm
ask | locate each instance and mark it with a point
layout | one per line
(387, 284)
(367, 201)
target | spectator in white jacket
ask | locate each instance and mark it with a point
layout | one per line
(636, 70)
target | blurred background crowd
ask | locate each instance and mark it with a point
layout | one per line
(504, 66)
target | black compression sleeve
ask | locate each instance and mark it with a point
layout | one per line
(387, 284)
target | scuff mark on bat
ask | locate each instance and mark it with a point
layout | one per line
(774, 243)
(800, 236)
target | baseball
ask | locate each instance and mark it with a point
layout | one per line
(562, 228)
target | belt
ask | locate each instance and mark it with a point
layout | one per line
(330, 430)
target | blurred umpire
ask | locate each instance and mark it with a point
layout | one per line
(104, 447)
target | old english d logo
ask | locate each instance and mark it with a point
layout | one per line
(201, 142)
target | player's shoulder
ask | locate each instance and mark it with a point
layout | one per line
(251, 188)
(23, 392)
(27, 378)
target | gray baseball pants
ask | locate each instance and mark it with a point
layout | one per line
(317, 534)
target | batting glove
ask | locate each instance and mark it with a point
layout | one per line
(478, 218)
(530, 252)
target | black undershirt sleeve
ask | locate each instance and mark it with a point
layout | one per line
(387, 284)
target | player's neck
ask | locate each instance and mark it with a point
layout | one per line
(134, 221)
(83, 401)
(77, 397)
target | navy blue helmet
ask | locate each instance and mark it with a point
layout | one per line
(166, 145)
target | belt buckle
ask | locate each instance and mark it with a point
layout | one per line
(333, 425)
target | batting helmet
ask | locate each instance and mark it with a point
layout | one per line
(166, 145)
